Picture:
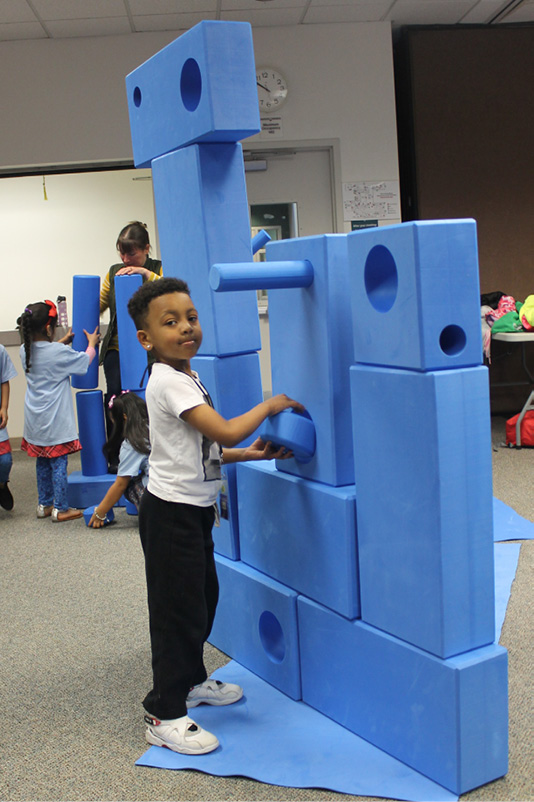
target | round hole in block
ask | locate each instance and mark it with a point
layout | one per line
(452, 340)
(191, 84)
(137, 96)
(272, 637)
(381, 278)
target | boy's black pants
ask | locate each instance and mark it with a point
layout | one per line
(183, 591)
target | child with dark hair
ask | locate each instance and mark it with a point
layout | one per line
(7, 372)
(130, 435)
(178, 509)
(50, 432)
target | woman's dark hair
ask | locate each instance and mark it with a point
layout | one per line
(133, 236)
(140, 300)
(34, 320)
(133, 428)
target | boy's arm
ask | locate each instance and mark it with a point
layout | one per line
(230, 432)
(4, 403)
(258, 450)
(110, 499)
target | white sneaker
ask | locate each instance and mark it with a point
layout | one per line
(214, 692)
(180, 735)
(44, 511)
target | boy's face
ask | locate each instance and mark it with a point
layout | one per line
(172, 329)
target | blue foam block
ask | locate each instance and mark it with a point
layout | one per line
(85, 315)
(447, 719)
(203, 218)
(293, 431)
(256, 623)
(92, 431)
(88, 514)
(133, 357)
(84, 491)
(200, 88)
(422, 452)
(301, 533)
(311, 351)
(226, 535)
(415, 295)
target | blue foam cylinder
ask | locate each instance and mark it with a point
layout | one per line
(134, 374)
(92, 432)
(260, 240)
(261, 275)
(85, 315)
(291, 430)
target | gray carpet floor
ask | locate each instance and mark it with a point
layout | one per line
(75, 659)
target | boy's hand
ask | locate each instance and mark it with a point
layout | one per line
(262, 450)
(280, 402)
(3, 418)
(94, 338)
(67, 338)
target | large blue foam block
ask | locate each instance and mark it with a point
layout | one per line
(301, 533)
(85, 491)
(203, 218)
(200, 88)
(311, 352)
(226, 534)
(422, 454)
(256, 623)
(85, 315)
(415, 295)
(133, 358)
(446, 718)
(92, 431)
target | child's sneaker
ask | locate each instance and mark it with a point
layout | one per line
(180, 735)
(214, 692)
(6, 499)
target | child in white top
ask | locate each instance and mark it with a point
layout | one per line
(50, 431)
(177, 512)
(130, 437)
(7, 372)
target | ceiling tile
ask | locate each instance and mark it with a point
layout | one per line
(257, 5)
(483, 11)
(364, 11)
(78, 9)
(15, 11)
(108, 26)
(169, 22)
(21, 30)
(523, 13)
(265, 16)
(428, 12)
(155, 7)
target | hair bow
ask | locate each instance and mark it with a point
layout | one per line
(52, 312)
(113, 397)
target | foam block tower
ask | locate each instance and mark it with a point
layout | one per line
(365, 563)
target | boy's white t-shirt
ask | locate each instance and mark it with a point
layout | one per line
(184, 466)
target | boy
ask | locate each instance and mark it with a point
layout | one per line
(177, 512)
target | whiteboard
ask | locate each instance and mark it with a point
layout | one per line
(73, 231)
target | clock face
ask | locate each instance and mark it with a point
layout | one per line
(272, 90)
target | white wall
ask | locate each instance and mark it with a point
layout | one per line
(65, 103)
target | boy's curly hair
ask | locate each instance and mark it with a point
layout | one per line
(141, 299)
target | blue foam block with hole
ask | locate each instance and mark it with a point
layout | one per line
(133, 357)
(203, 218)
(301, 533)
(256, 623)
(415, 295)
(312, 350)
(200, 88)
(448, 719)
(84, 491)
(85, 315)
(422, 454)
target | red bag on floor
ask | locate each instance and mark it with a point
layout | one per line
(527, 429)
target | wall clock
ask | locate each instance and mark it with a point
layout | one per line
(272, 90)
